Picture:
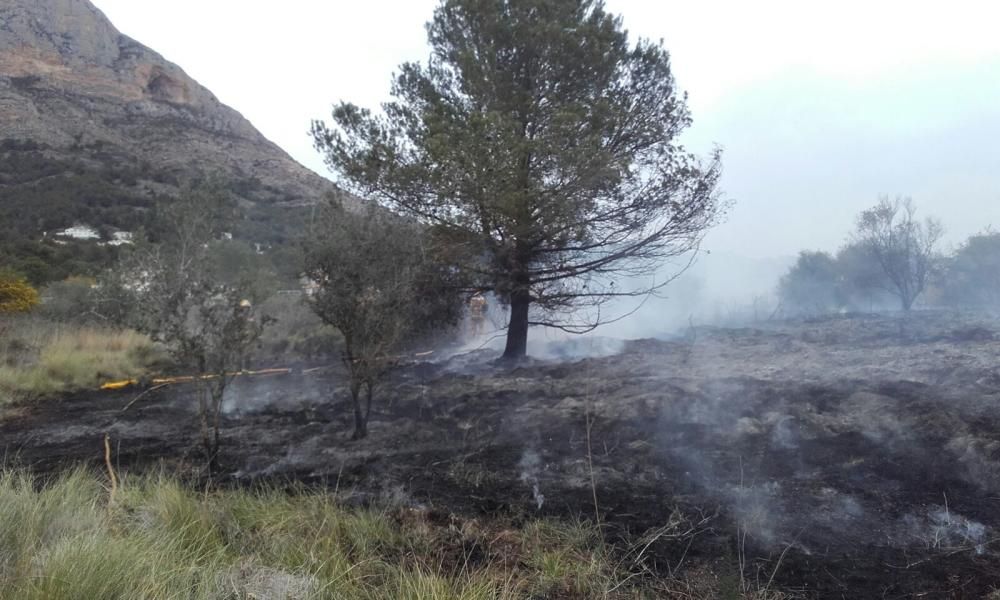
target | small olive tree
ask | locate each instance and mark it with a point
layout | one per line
(379, 286)
(173, 294)
(903, 246)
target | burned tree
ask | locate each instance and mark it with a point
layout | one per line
(541, 144)
(380, 287)
(902, 245)
(174, 295)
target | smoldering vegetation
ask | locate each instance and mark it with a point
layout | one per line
(837, 456)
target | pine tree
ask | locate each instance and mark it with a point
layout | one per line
(541, 144)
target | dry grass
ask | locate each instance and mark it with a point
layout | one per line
(39, 358)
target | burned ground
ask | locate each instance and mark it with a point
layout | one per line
(863, 453)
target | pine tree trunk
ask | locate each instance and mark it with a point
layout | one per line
(907, 302)
(360, 424)
(217, 397)
(360, 418)
(517, 330)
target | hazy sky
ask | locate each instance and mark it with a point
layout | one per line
(820, 109)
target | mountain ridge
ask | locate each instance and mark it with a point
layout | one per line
(68, 78)
(98, 129)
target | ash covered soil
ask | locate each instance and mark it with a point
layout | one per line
(850, 457)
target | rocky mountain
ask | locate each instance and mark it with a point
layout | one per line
(94, 125)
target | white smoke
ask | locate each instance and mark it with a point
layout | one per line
(530, 466)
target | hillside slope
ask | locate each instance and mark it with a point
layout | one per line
(96, 128)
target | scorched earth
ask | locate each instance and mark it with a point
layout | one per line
(847, 457)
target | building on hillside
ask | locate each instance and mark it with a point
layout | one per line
(79, 232)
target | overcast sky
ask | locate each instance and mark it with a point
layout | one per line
(819, 109)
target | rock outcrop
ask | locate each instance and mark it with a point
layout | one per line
(70, 82)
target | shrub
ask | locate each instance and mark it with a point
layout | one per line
(16, 294)
(811, 285)
(972, 277)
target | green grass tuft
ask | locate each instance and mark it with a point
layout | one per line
(159, 540)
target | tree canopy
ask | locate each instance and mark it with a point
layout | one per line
(811, 286)
(173, 291)
(973, 273)
(541, 144)
(903, 246)
(378, 285)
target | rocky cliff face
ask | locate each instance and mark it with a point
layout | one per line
(75, 86)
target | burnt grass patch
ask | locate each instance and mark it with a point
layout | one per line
(804, 451)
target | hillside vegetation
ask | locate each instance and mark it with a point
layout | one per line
(42, 192)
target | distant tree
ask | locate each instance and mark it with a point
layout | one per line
(972, 277)
(862, 284)
(541, 144)
(380, 287)
(174, 295)
(903, 246)
(16, 294)
(811, 285)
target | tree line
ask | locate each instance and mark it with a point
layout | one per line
(894, 259)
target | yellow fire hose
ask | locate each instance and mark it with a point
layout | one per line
(125, 383)
(120, 385)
